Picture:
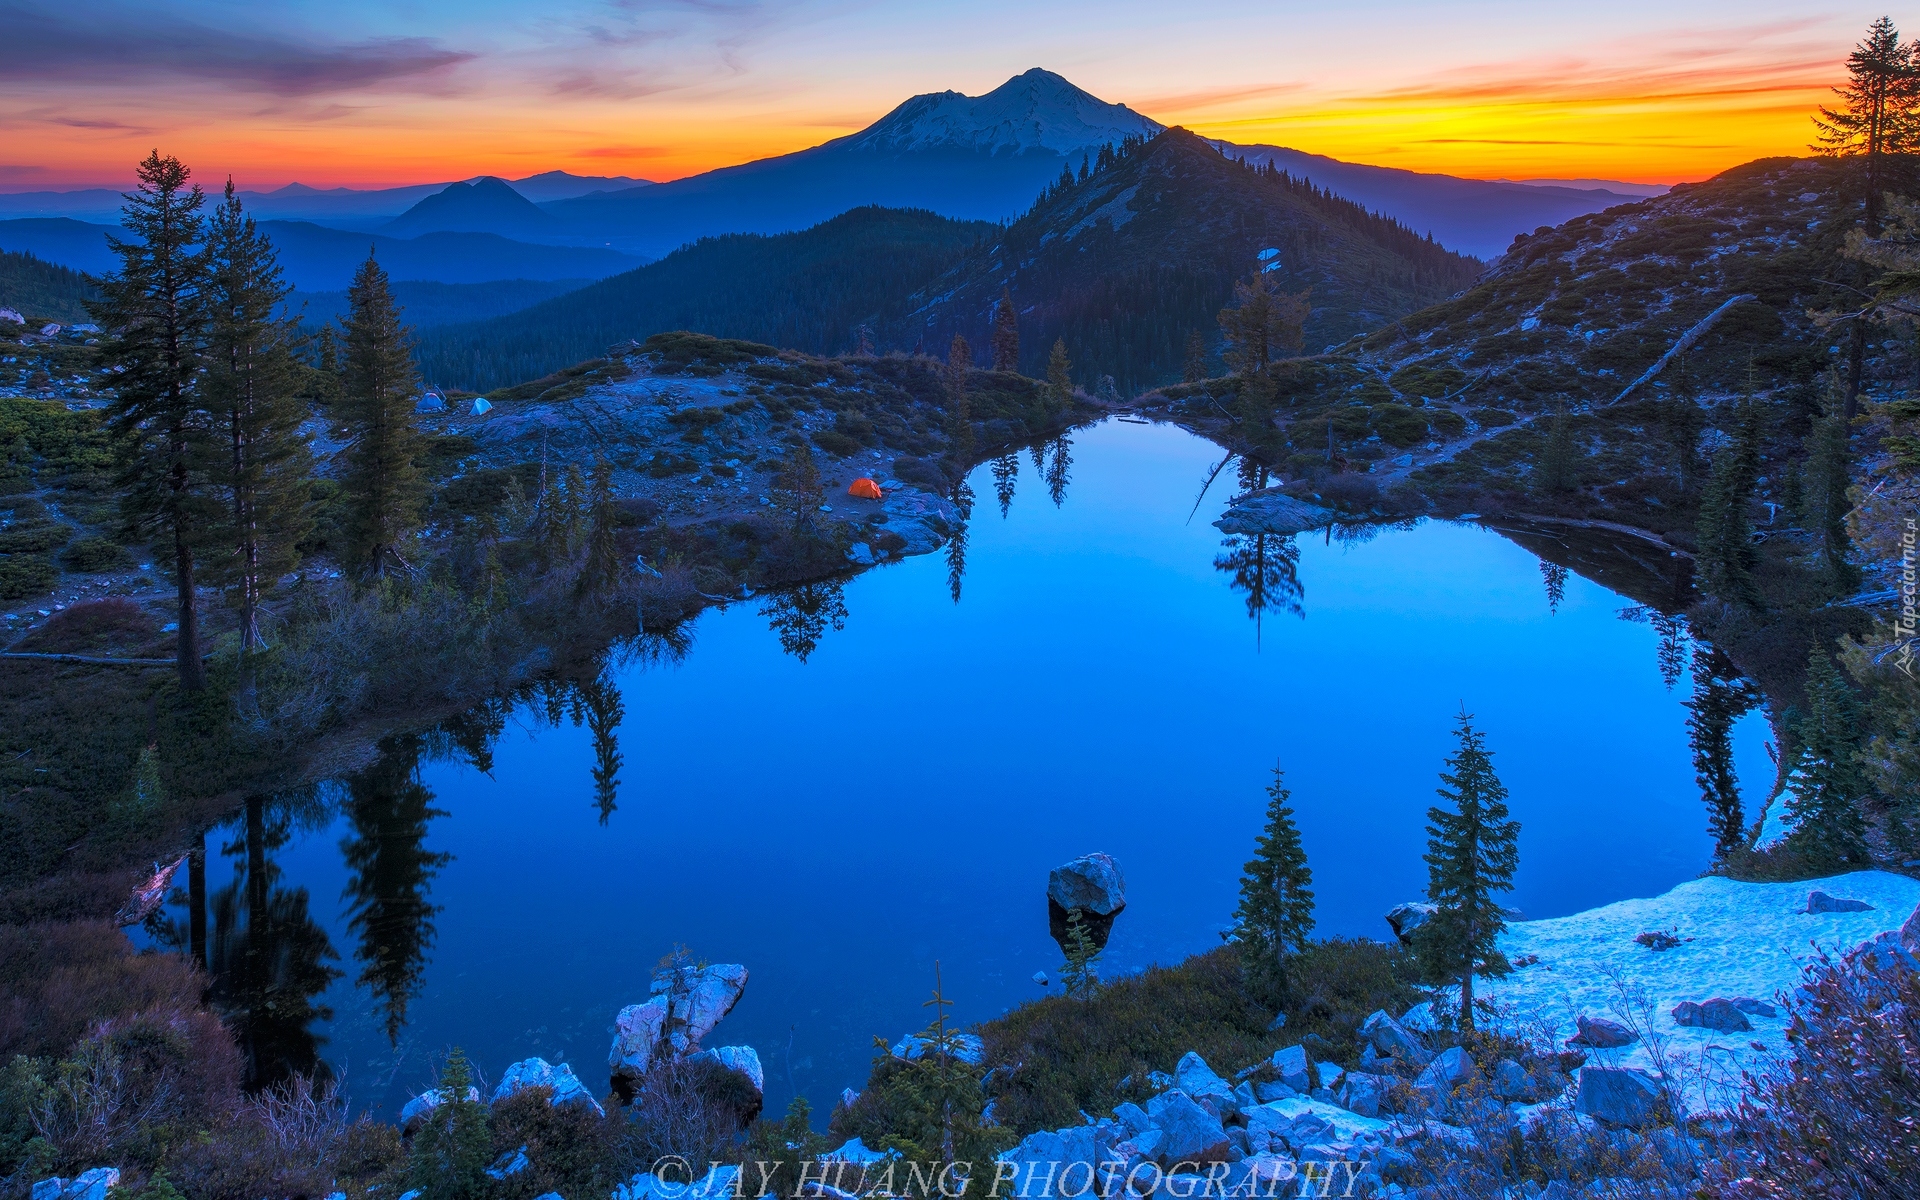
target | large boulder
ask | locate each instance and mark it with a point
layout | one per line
(1598, 1033)
(1511, 1081)
(1057, 1163)
(1448, 1070)
(1910, 932)
(538, 1072)
(1202, 1084)
(1291, 1063)
(1620, 1096)
(1093, 884)
(1717, 1014)
(1405, 918)
(1189, 1133)
(637, 1040)
(1390, 1039)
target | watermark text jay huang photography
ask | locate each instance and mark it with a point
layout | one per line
(674, 1178)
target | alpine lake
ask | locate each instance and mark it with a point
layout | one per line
(843, 786)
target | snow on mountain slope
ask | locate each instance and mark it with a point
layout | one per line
(1738, 941)
(1037, 110)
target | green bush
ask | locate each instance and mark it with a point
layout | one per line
(1399, 425)
(31, 537)
(25, 575)
(836, 443)
(95, 554)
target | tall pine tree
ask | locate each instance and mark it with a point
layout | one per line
(383, 481)
(1725, 528)
(1878, 120)
(1720, 698)
(1827, 784)
(1060, 372)
(1006, 334)
(155, 313)
(1276, 897)
(960, 417)
(1472, 852)
(1824, 502)
(251, 384)
(1195, 368)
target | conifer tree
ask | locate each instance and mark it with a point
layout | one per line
(1826, 784)
(1725, 528)
(154, 311)
(1682, 419)
(450, 1153)
(251, 384)
(1557, 469)
(383, 482)
(1276, 898)
(1824, 499)
(1879, 121)
(797, 485)
(1078, 975)
(1059, 469)
(601, 570)
(1195, 368)
(1263, 323)
(1472, 852)
(1059, 372)
(1006, 334)
(1006, 473)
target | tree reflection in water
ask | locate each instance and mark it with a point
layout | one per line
(1265, 568)
(957, 542)
(389, 810)
(801, 616)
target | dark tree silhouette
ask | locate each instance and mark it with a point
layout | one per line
(801, 616)
(393, 871)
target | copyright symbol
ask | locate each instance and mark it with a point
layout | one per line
(663, 1169)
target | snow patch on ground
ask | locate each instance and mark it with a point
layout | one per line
(1741, 940)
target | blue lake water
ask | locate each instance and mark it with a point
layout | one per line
(840, 824)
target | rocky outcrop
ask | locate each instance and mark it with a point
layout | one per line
(537, 1072)
(1511, 1082)
(88, 1185)
(1291, 1065)
(1448, 1070)
(687, 1002)
(1203, 1085)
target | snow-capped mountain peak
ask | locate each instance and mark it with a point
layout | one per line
(1037, 110)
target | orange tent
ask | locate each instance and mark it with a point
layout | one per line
(864, 488)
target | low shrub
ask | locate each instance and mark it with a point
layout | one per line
(91, 554)
(31, 537)
(93, 625)
(836, 443)
(25, 575)
(1350, 493)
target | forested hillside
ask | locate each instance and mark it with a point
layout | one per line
(809, 291)
(41, 289)
(1125, 263)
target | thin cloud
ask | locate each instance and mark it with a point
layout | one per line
(45, 44)
(623, 152)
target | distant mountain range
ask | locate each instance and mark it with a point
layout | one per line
(298, 202)
(809, 290)
(317, 258)
(970, 157)
(1122, 265)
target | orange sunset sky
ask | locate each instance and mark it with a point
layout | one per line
(364, 94)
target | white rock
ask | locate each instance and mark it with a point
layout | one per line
(966, 1047)
(854, 1151)
(1291, 1062)
(744, 1059)
(537, 1072)
(1420, 1018)
(1405, 918)
(420, 1107)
